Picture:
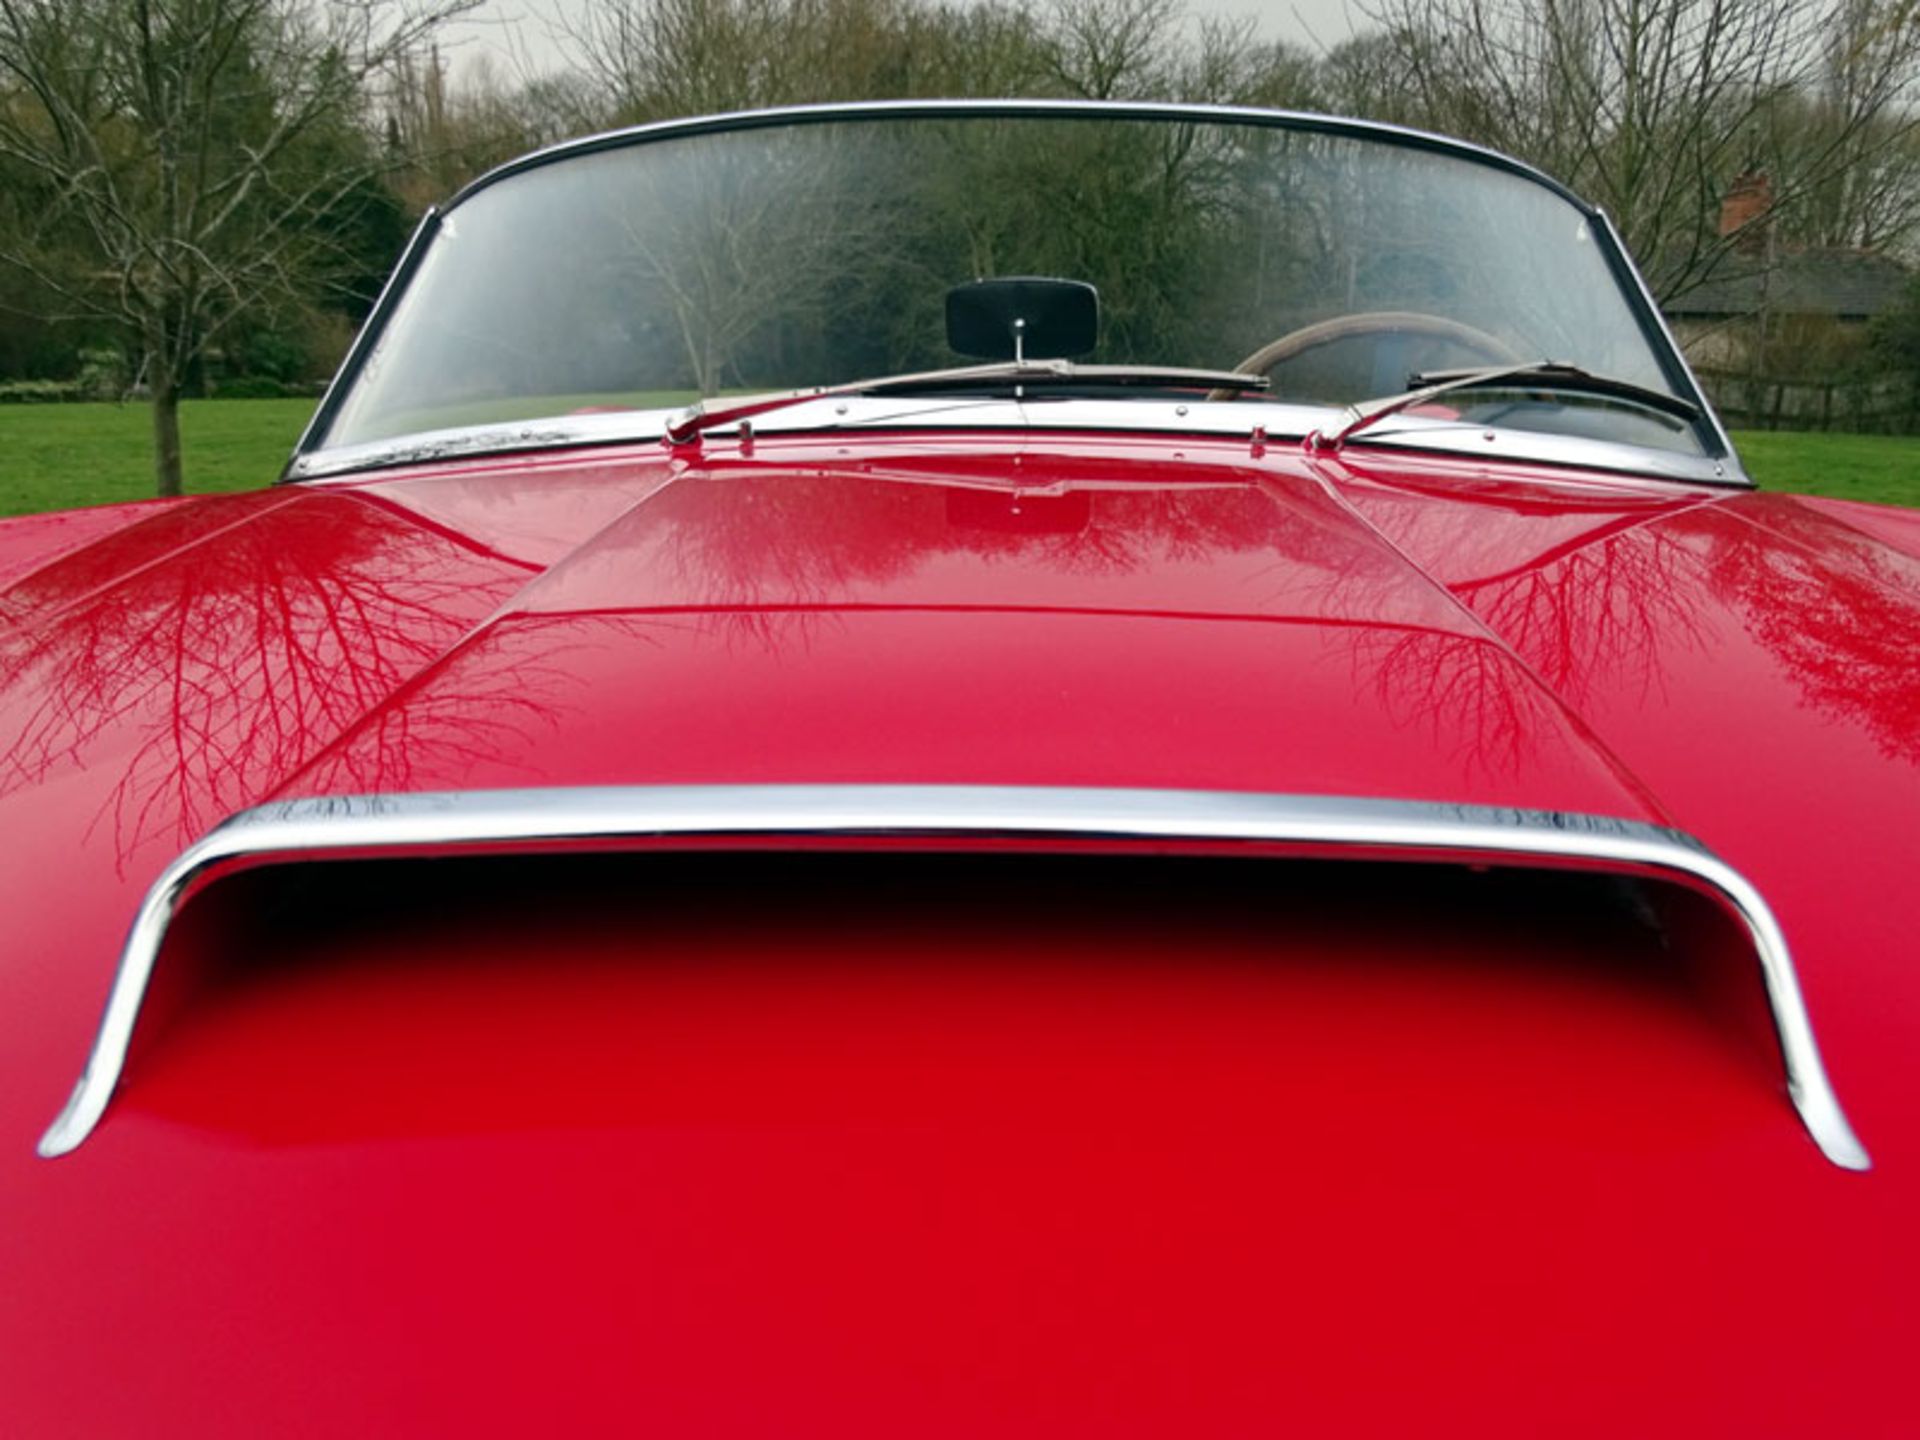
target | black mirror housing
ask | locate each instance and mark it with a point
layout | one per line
(1023, 317)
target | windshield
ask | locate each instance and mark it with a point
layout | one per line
(650, 274)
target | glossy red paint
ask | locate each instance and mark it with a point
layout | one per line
(1225, 629)
(32, 542)
(832, 1145)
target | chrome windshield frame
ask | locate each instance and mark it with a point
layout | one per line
(347, 827)
(312, 457)
(1278, 422)
(1668, 351)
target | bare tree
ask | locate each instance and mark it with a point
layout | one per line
(759, 236)
(1850, 135)
(1651, 107)
(1112, 49)
(190, 160)
(660, 58)
(443, 129)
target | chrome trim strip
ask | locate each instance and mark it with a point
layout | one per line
(1500, 444)
(498, 438)
(871, 415)
(346, 826)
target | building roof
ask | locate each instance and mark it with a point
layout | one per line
(1845, 283)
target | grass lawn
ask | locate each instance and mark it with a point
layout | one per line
(55, 457)
(58, 457)
(1883, 468)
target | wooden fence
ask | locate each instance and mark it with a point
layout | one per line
(1886, 404)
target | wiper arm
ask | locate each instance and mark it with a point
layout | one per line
(1551, 373)
(688, 425)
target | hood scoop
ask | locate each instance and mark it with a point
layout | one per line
(663, 817)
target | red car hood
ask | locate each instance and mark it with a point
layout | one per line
(734, 1197)
(914, 620)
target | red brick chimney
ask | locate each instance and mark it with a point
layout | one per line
(1744, 208)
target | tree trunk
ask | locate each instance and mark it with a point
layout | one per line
(166, 428)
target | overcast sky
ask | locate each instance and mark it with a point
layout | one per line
(521, 31)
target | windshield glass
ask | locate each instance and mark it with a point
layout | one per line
(819, 253)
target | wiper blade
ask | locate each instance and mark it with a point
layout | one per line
(1571, 377)
(1550, 375)
(688, 425)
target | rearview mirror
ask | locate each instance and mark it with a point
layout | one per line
(1023, 317)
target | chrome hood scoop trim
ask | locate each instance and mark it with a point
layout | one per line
(638, 817)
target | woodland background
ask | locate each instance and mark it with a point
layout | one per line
(201, 198)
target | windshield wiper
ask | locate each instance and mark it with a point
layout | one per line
(1549, 375)
(688, 425)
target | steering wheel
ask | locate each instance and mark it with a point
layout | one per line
(1370, 322)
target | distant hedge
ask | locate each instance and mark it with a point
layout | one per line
(60, 392)
(259, 387)
(41, 392)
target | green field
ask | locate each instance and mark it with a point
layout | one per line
(55, 457)
(1883, 468)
